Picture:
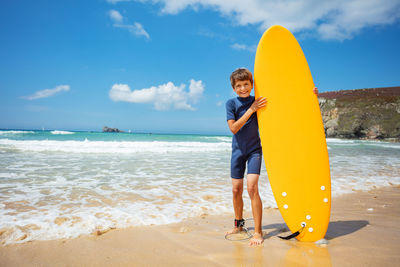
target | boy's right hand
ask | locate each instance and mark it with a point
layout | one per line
(258, 103)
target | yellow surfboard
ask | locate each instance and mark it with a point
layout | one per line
(292, 134)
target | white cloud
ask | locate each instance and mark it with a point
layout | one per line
(115, 16)
(163, 97)
(117, 1)
(48, 92)
(136, 29)
(196, 89)
(335, 19)
(237, 46)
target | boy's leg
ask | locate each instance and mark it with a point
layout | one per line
(237, 192)
(256, 207)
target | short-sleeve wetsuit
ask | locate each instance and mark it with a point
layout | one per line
(246, 145)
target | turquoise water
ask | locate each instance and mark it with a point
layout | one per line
(61, 184)
(100, 136)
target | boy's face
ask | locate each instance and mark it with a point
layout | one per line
(243, 88)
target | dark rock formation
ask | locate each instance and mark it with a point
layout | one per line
(362, 114)
(111, 130)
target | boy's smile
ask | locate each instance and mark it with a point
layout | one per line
(243, 88)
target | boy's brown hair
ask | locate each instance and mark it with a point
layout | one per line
(241, 74)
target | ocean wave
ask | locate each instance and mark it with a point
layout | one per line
(218, 138)
(61, 132)
(123, 147)
(342, 141)
(15, 132)
(87, 186)
(345, 142)
(387, 145)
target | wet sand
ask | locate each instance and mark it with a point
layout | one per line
(364, 230)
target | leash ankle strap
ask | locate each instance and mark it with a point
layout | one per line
(239, 223)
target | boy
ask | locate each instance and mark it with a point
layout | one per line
(246, 147)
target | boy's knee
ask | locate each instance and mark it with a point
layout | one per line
(237, 191)
(252, 190)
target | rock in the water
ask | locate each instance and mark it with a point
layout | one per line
(111, 130)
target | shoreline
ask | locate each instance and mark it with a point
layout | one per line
(364, 230)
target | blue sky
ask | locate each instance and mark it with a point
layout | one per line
(164, 65)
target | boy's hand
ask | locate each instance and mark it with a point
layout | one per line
(258, 103)
(315, 91)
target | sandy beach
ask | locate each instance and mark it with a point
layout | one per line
(124, 122)
(364, 230)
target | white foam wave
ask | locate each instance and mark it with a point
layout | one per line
(107, 184)
(218, 138)
(15, 132)
(61, 132)
(337, 140)
(345, 142)
(388, 145)
(125, 147)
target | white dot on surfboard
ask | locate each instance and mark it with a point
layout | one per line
(285, 206)
(284, 194)
(310, 230)
(303, 224)
(308, 217)
(322, 188)
(325, 200)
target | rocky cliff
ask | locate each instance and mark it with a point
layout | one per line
(362, 113)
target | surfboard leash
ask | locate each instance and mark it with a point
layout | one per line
(294, 234)
(240, 223)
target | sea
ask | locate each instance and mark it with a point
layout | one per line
(62, 184)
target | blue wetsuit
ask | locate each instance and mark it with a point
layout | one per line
(246, 145)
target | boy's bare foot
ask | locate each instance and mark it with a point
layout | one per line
(256, 240)
(234, 231)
